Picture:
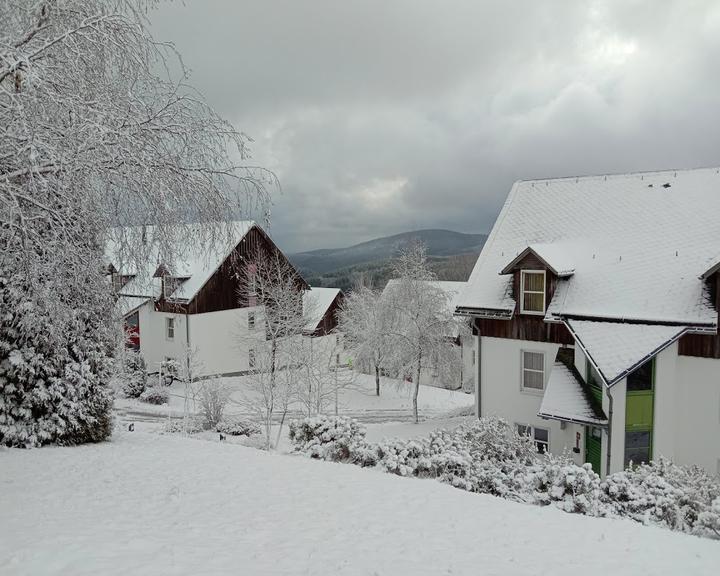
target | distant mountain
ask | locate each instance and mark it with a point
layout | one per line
(451, 254)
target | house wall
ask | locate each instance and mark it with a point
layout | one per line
(221, 340)
(697, 412)
(154, 344)
(617, 422)
(501, 394)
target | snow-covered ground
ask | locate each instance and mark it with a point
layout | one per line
(150, 504)
(358, 400)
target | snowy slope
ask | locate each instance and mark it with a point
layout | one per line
(146, 504)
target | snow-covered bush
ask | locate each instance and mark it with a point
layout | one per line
(570, 487)
(134, 376)
(708, 522)
(183, 426)
(170, 369)
(663, 493)
(213, 396)
(238, 427)
(327, 437)
(54, 384)
(155, 395)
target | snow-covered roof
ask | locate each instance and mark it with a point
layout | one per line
(127, 304)
(316, 302)
(192, 264)
(637, 244)
(617, 348)
(564, 399)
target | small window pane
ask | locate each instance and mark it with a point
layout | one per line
(542, 435)
(535, 282)
(533, 380)
(641, 378)
(637, 447)
(534, 360)
(523, 430)
(533, 302)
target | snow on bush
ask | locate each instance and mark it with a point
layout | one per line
(54, 384)
(238, 427)
(327, 437)
(155, 395)
(183, 426)
(489, 456)
(663, 493)
(134, 376)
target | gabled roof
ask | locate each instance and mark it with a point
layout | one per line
(557, 258)
(616, 349)
(316, 303)
(564, 399)
(191, 264)
(640, 243)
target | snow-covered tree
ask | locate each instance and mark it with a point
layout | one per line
(272, 282)
(366, 321)
(95, 132)
(423, 329)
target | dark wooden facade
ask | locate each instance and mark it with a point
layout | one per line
(224, 290)
(329, 321)
(530, 327)
(704, 345)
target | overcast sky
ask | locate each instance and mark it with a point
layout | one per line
(386, 116)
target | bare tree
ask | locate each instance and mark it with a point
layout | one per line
(272, 283)
(323, 377)
(366, 321)
(425, 330)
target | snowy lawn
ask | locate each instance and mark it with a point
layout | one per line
(357, 400)
(150, 504)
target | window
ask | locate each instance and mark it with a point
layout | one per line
(532, 291)
(251, 320)
(533, 370)
(641, 378)
(170, 328)
(251, 358)
(540, 435)
(637, 447)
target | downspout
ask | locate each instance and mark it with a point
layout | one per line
(478, 387)
(609, 431)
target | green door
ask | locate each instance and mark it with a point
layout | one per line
(593, 447)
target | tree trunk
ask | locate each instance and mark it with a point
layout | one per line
(417, 389)
(377, 380)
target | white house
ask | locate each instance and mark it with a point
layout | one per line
(321, 306)
(200, 302)
(595, 311)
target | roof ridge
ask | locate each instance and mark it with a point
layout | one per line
(620, 174)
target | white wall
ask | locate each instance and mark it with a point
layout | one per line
(697, 412)
(221, 340)
(501, 394)
(154, 344)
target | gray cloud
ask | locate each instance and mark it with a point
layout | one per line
(380, 117)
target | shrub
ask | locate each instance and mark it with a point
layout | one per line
(155, 395)
(170, 370)
(134, 375)
(238, 427)
(213, 396)
(327, 437)
(663, 493)
(182, 426)
(570, 487)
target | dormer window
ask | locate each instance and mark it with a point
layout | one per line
(532, 291)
